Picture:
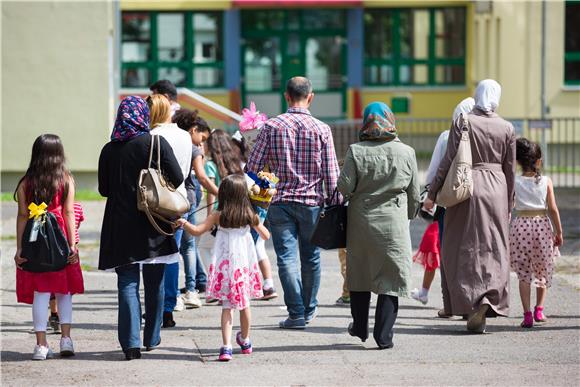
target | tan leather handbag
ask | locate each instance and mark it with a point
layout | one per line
(156, 197)
(458, 185)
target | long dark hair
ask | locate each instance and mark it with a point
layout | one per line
(527, 155)
(223, 154)
(234, 203)
(241, 148)
(47, 171)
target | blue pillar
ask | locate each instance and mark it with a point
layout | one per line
(232, 64)
(355, 37)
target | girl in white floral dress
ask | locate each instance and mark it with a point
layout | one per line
(234, 274)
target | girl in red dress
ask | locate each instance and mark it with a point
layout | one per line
(48, 180)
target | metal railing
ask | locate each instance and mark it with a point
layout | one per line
(560, 143)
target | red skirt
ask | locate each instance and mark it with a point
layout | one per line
(67, 280)
(428, 254)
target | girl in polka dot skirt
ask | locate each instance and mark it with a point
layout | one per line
(533, 240)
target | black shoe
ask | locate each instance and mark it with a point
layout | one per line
(168, 321)
(151, 348)
(352, 333)
(386, 346)
(133, 353)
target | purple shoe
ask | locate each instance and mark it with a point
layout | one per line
(225, 354)
(246, 348)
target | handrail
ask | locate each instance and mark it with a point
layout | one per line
(204, 104)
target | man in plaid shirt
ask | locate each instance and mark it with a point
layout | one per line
(299, 149)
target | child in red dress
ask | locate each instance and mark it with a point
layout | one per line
(47, 180)
(429, 256)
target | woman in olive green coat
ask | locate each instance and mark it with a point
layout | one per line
(379, 179)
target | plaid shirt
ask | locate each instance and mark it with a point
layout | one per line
(299, 149)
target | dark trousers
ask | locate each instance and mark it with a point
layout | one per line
(385, 316)
(444, 289)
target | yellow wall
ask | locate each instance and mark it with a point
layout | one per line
(507, 47)
(173, 5)
(55, 79)
(429, 103)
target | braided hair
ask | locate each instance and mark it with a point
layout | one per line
(527, 155)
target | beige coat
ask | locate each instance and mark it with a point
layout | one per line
(380, 179)
(475, 238)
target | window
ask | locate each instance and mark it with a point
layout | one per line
(572, 44)
(184, 47)
(415, 46)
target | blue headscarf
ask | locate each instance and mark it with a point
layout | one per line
(132, 119)
(378, 123)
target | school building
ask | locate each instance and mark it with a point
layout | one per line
(66, 64)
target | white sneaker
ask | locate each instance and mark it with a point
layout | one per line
(179, 305)
(42, 353)
(66, 347)
(191, 299)
(417, 295)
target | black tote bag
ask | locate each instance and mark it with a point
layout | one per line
(330, 230)
(49, 250)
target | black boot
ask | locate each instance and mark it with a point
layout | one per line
(168, 320)
(133, 353)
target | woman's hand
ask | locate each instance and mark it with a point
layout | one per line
(179, 223)
(18, 260)
(428, 204)
(558, 239)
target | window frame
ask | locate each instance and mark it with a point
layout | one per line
(570, 56)
(187, 64)
(397, 61)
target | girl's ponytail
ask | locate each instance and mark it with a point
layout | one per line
(527, 155)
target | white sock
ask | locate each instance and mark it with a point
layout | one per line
(268, 283)
(424, 292)
(246, 341)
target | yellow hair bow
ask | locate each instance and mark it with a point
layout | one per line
(37, 210)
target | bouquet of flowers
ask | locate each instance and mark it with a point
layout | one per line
(251, 124)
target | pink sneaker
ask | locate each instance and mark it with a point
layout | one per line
(225, 354)
(539, 314)
(528, 320)
(246, 348)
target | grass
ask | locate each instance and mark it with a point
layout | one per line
(81, 195)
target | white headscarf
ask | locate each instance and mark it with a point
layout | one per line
(465, 107)
(487, 95)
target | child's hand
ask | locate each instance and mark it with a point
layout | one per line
(73, 257)
(558, 240)
(19, 260)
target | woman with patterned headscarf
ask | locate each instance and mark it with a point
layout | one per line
(127, 237)
(476, 238)
(379, 178)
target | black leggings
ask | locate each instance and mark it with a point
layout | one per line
(385, 316)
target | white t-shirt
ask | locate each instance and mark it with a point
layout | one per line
(531, 193)
(180, 142)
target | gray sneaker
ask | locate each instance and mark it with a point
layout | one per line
(293, 323)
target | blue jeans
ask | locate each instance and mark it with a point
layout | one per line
(191, 260)
(292, 225)
(171, 279)
(129, 326)
(262, 214)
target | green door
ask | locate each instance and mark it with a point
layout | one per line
(280, 44)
